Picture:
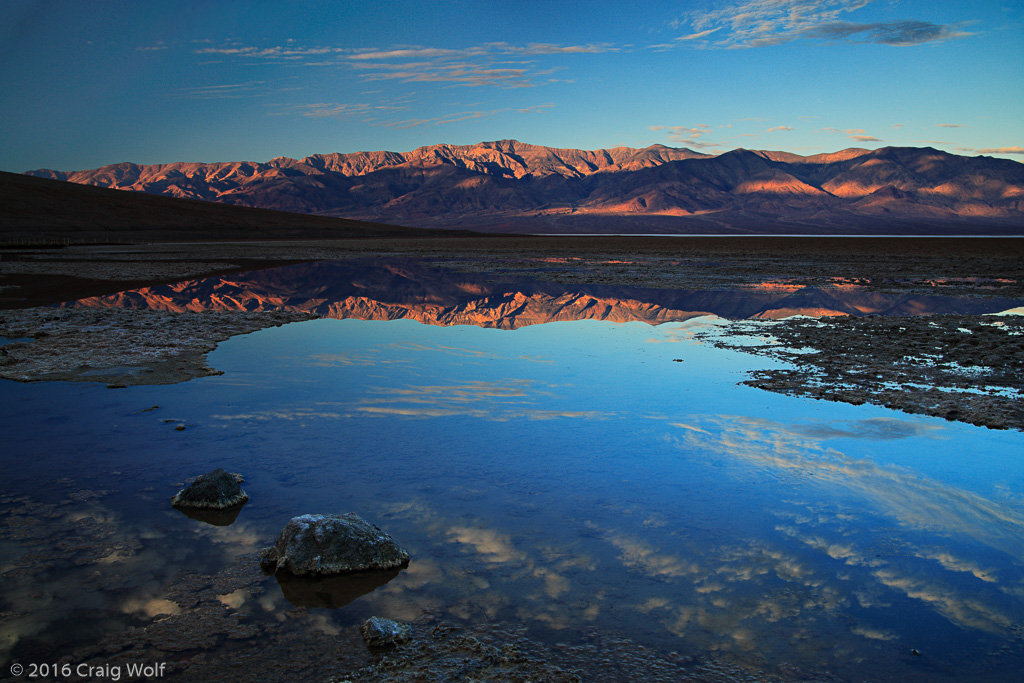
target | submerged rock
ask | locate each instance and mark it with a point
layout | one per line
(378, 632)
(215, 490)
(331, 544)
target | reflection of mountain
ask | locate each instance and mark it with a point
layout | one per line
(409, 290)
(516, 187)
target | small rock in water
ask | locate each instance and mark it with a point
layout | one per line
(331, 544)
(378, 632)
(216, 490)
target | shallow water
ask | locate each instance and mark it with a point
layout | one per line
(565, 476)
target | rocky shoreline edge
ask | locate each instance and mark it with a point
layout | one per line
(961, 368)
(121, 347)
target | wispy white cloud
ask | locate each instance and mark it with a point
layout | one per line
(688, 135)
(550, 49)
(478, 65)
(223, 92)
(460, 73)
(414, 53)
(700, 34)
(272, 52)
(899, 33)
(1001, 150)
(339, 110)
(780, 128)
(536, 109)
(855, 134)
(950, 125)
(759, 23)
(440, 120)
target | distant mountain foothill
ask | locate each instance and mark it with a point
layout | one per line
(514, 187)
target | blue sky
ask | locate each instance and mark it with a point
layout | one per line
(88, 83)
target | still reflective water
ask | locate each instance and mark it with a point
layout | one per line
(569, 475)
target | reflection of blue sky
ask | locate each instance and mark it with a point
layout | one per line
(741, 508)
(607, 485)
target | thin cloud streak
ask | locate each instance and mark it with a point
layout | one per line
(688, 135)
(1002, 150)
(474, 66)
(761, 23)
(898, 33)
(222, 92)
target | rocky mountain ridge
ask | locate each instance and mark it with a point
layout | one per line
(511, 186)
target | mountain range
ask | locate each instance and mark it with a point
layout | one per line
(515, 187)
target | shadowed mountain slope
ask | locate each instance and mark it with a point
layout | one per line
(39, 210)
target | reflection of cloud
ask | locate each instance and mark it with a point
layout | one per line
(915, 501)
(461, 393)
(149, 606)
(499, 401)
(236, 540)
(965, 612)
(873, 633)
(235, 599)
(536, 580)
(960, 565)
(875, 429)
(640, 556)
(292, 415)
(493, 546)
(837, 550)
(466, 353)
(365, 359)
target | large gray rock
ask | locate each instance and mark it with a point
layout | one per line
(215, 490)
(331, 544)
